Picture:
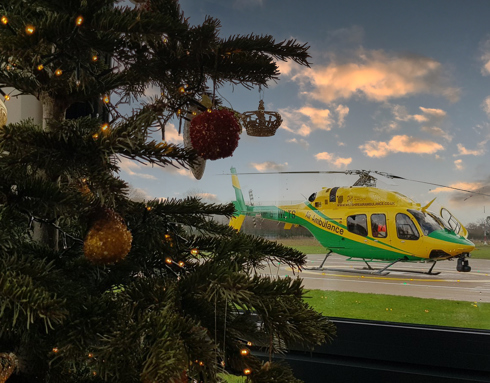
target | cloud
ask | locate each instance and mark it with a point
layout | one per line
(400, 144)
(305, 144)
(138, 194)
(342, 112)
(178, 171)
(172, 135)
(306, 119)
(333, 159)
(470, 197)
(485, 57)
(470, 186)
(486, 106)
(377, 76)
(132, 167)
(459, 164)
(352, 36)
(206, 197)
(269, 166)
(430, 119)
(462, 151)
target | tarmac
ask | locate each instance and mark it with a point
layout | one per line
(342, 275)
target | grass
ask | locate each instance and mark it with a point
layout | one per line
(232, 378)
(309, 245)
(392, 308)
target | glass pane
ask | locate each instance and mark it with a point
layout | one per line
(378, 225)
(405, 228)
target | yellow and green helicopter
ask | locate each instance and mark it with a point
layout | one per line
(367, 223)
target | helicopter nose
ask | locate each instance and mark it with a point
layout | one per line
(468, 246)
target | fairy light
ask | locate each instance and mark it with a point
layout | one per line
(4, 20)
(195, 251)
(182, 89)
(247, 371)
(168, 237)
(30, 29)
(40, 67)
(58, 72)
(95, 58)
(90, 355)
(79, 20)
(181, 263)
(104, 127)
(106, 99)
(210, 110)
(95, 136)
(194, 113)
(168, 260)
(55, 350)
(249, 344)
(244, 352)
(7, 97)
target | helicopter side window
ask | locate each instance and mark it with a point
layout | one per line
(426, 222)
(357, 224)
(378, 225)
(312, 197)
(405, 228)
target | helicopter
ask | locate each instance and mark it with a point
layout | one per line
(366, 223)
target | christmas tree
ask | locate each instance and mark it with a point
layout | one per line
(95, 287)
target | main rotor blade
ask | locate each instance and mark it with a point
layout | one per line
(304, 172)
(443, 186)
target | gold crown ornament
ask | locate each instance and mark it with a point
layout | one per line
(261, 123)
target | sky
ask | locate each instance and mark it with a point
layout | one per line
(401, 87)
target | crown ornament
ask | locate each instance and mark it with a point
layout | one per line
(261, 123)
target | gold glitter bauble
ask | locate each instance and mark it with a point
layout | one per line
(108, 241)
(3, 114)
(8, 363)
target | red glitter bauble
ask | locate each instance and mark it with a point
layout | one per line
(215, 134)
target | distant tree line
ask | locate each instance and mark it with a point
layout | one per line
(479, 230)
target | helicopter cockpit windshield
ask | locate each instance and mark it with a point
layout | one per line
(440, 220)
(427, 222)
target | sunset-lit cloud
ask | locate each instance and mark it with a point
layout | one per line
(306, 119)
(485, 57)
(470, 193)
(459, 164)
(400, 144)
(462, 151)
(458, 185)
(486, 106)
(431, 120)
(333, 159)
(377, 76)
(342, 112)
(269, 166)
(134, 168)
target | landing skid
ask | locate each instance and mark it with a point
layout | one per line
(321, 266)
(374, 271)
(403, 270)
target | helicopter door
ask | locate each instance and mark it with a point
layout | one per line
(406, 236)
(453, 222)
